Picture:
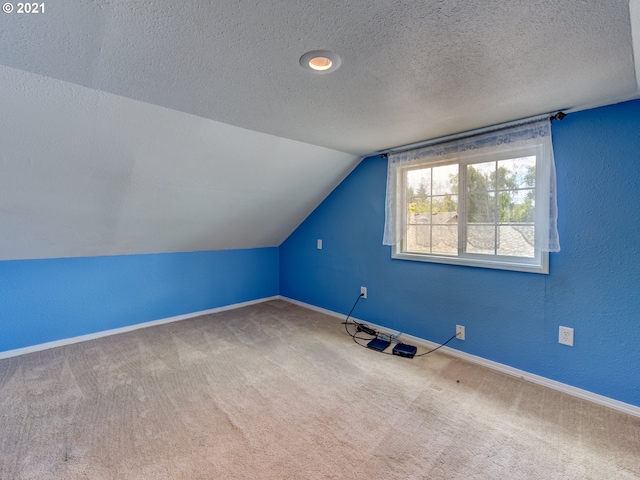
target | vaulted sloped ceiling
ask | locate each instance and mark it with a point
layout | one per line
(90, 173)
(158, 126)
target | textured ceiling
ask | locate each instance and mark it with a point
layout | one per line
(158, 126)
(411, 70)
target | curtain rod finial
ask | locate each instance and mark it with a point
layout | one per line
(558, 116)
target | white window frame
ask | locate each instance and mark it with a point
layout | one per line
(538, 264)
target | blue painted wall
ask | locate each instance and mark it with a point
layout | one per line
(53, 299)
(510, 317)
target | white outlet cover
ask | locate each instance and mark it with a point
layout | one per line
(319, 244)
(565, 336)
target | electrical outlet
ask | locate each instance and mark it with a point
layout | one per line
(319, 244)
(363, 292)
(459, 332)
(566, 336)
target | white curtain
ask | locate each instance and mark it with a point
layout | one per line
(531, 133)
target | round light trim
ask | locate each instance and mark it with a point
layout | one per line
(320, 61)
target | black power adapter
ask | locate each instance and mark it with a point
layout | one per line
(404, 350)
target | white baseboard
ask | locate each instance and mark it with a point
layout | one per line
(530, 377)
(129, 328)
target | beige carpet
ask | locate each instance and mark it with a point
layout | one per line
(275, 391)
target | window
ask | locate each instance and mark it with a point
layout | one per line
(483, 201)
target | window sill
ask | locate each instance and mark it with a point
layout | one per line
(542, 266)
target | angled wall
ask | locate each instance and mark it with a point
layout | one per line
(510, 317)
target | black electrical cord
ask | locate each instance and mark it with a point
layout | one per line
(355, 336)
(346, 321)
(438, 347)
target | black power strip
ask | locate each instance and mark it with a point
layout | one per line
(365, 329)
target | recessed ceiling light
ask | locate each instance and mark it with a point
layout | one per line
(320, 61)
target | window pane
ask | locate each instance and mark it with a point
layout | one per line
(418, 206)
(516, 240)
(445, 179)
(444, 209)
(432, 200)
(481, 208)
(445, 239)
(481, 177)
(481, 239)
(419, 238)
(517, 173)
(517, 207)
(419, 181)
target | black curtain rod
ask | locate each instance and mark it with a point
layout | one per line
(558, 116)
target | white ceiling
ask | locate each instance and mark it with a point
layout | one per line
(151, 126)
(85, 173)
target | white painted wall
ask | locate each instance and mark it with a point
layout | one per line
(84, 173)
